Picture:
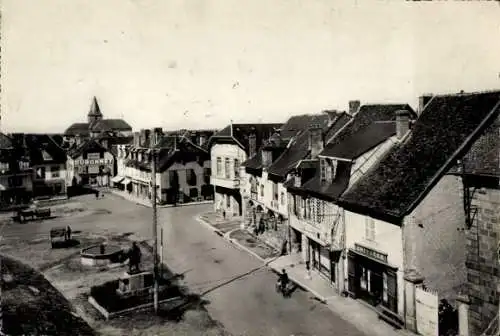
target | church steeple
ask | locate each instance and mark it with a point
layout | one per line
(94, 112)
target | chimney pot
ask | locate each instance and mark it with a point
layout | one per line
(402, 123)
(354, 106)
(315, 140)
(252, 144)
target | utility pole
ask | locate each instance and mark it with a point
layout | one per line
(155, 226)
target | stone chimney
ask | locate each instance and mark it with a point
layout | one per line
(137, 139)
(297, 180)
(156, 135)
(267, 157)
(354, 106)
(78, 139)
(315, 140)
(422, 101)
(202, 138)
(332, 115)
(104, 143)
(252, 144)
(402, 123)
(145, 138)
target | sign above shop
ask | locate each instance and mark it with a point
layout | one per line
(370, 253)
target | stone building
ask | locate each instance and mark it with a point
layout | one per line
(96, 126)
(480, 170)
(412, 213)
(230, 147)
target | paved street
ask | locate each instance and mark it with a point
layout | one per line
(240, 291)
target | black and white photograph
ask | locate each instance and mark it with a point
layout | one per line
(249, 168)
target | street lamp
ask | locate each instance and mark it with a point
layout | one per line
(155, 227)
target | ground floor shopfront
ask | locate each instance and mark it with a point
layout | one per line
(322, 260)
(371, 278)
(14, 196)
(50, 188)
(227, 202)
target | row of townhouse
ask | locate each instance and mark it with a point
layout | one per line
(31, 166)
(182, 166)
(376, 198)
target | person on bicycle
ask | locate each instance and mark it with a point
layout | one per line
(283, 280)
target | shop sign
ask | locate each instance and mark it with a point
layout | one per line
(93, 156)
(370, 253)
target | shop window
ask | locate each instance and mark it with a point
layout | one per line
(191, 177)
(57, 188)
(193, 192)
(385, 297)
(219, 166)
(236, 168)
(54, 171)
(275, 191)
(206, 175)
(227, 171)
(369, 229)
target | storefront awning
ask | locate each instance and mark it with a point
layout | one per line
(117, 179)
(126, 181)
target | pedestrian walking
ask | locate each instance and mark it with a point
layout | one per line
(68, 233)
(308, 270)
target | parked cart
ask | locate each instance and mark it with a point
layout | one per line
(31, 213)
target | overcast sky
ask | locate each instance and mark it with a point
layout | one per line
(201, 63)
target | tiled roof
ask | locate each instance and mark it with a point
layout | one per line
(342, 119)
(240, 132)
(280, 139)
(299, 147)
(42, 148)
(39, 148)
(12, 152)
(173, 149)
(77, 128)
(111, 124)
(5, 141)
(101, 125)
(87, 146)
(334, 189)
(444, 131)
(360, 142)
(367, 114)
(484, 156)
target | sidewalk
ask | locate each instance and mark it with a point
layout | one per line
(218, 224)
(354, 311)
(253, 245)
(146, 202)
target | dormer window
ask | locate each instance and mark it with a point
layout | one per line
(323, 166)
(328, 170)
(331, 170)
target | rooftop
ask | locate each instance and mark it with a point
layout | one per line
(445, 130)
